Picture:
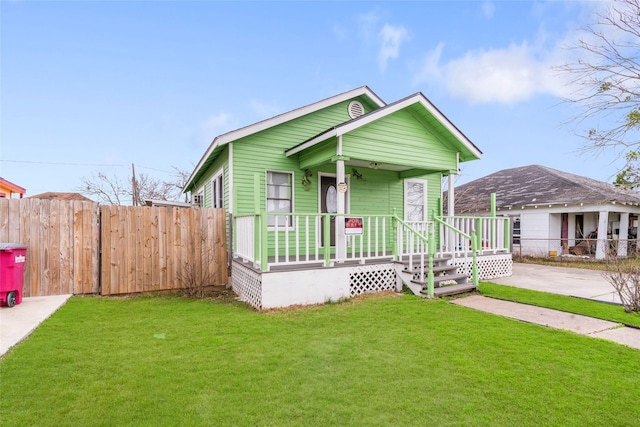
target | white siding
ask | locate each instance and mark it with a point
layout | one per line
(535, 233)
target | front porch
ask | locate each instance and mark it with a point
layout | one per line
(283, 262)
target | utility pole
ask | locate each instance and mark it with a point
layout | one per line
(134, 185)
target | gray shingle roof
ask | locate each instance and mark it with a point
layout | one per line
(537, 185)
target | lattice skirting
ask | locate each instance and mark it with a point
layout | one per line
(489, 266)
(372, 278)
(247, 284)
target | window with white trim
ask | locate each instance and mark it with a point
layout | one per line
(415, 200)
(279, 197)
(517, 231)
(217, 190)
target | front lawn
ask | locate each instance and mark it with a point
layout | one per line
(381, 360)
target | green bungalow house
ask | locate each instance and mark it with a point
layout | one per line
(343, 196)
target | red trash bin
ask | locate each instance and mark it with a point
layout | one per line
(12, 259)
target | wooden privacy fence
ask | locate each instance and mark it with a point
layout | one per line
(79, 247)
(63, 243)
(146, 249)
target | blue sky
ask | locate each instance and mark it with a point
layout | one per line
(96, 86)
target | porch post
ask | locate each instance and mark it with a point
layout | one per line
(341, 238)
(623, 234)
(450, 238)
(451, 199)
(601, 243)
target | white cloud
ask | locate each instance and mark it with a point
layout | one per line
(385, 38)
(367, 23)
(264, 111)
(488, 9)
(215, 125)
(516, 72)
(390, 40)
(507, 75)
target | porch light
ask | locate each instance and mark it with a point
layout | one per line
(374, 165)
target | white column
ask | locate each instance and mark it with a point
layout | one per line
(601, 244)
(623, 235)
(451, 203)
(341, 239)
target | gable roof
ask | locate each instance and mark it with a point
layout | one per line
(536, 185)
(233, 135)
(430, 110)
(61, 196)
(11, 186)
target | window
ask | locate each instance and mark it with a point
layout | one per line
(415, 200)
(198, 199)
(279, 197)
(516, 231)
(217, 191)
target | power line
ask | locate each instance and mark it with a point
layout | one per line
(82, 164)
(61, 163)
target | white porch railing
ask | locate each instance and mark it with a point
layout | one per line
(493, 235)
(245, 235)
(413, 240)
(298, 239)
(302, 241)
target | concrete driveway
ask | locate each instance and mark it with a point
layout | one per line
(574, 282)
(17, 322)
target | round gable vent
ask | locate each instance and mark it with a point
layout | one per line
(355, 109)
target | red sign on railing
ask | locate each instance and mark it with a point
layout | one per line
(353, 225)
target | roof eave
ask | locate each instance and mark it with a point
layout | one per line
(279, 119)
(351, 125)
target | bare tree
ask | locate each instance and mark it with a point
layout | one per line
(113, 190)
(624, 276)
(109, 190)
(607, 77)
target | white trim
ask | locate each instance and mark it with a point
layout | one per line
(219, 175)
(342, 129)
(347, 198)
(358, 105)
(228, 137)
(424, 188)
(266, 197)
(231, 199)
(322, 137)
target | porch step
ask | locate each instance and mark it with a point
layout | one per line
(436, 260)
(452, 289)
(460, 279)
(443, 275)
(436, 269)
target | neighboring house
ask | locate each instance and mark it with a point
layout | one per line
(8, 189)
(61, 196)
(556, 212)
(325, 201)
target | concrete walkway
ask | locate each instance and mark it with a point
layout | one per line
(582, 325)
(17, 322)
(576, 282)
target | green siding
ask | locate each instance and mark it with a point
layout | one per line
(221, 161)
(399, 139)
(396, 139)
(318, 154)
(259, 152)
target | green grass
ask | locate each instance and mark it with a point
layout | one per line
(373, 361)
(600, 310)
(588, 264)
